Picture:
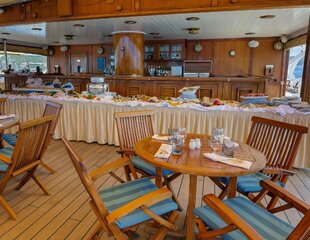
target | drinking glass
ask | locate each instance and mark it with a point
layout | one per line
(176, 138)
(228, 148)
(217, 139)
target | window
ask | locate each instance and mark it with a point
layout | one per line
(295, 70)
(24, 62)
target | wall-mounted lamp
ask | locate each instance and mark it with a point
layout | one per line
(253, 44)
(64, 48)
(123, 49)
(278, 45)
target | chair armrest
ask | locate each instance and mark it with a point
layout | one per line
(230, 217)
(279, 171)
(146, 200)
(5, 159)
(285, 195)
(110, 167)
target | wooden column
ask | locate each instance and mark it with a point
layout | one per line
(129, 53)
(305, 86)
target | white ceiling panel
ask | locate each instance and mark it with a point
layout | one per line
(213, 25)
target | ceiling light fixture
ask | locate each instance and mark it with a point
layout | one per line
(154, 33)
(267, 16)
(6, 33)
(108, 35)
(249, 33)
(194, 30)
(78, 25)
(157, 37)
(192, 18)
(56, 42)
(36, 29)
(130, 22)
(253, 44)
(68, 37)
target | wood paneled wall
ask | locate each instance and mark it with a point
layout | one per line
(305, 86)
(246, 61)
(63, 58)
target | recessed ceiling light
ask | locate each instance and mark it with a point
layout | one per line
(268, 16)
(193, 30)
(154, 33)
(6, 33)
(36, 29)
(192, 18)
(130, 22)
(55, 42)
(78, 25)
(108, 35)
(157, 37)
(68, 37)
(249, 33)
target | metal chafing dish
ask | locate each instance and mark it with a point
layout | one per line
(97, 86)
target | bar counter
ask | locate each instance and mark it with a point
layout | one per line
(93, 121)
(223, 87)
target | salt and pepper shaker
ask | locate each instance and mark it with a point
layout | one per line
(197, 143)
(192, 144)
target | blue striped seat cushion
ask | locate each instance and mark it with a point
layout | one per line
(6, 152)
(267, 225)
(10, 138)
(146, 167)
(119, 195)
(249, 183)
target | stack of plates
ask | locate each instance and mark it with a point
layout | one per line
(254, 100)
(303, 107)
(289, 100)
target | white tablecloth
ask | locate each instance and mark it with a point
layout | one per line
(94, 122)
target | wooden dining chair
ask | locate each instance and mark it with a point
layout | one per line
(239, 218)
(279, 141)
(25, 157)
(121, 207)
(133, 127)
(51, 108)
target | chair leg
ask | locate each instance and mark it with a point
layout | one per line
(48, 168)
(7, 208)
(273, 202)
(24, 180)
(162, 231)
(94, 235)
(38, 181)
(221, 186)
(174, 196)
(118, 234)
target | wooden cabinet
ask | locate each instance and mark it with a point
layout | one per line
(90, 7)
(237, 89)
(169, 5)
(131, 88)
(164, 50)
(208, 89)
(168, 89)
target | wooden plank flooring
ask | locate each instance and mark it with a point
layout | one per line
(66, 213)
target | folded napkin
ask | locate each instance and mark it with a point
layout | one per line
(230, 161)
(160, 138)
(164, 151)
(6, 116)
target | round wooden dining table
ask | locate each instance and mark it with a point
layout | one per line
(194, 163)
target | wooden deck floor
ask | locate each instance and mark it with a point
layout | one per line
(66, 213)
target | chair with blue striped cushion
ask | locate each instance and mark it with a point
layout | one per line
(25, 157)
(239, 218)
(279, 141)
(51, 109)
(133, 127)
(120, 207)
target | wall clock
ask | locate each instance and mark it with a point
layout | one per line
(198, 47)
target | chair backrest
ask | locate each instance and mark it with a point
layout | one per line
(81, 169)
(279, 141)
(133, 127)
(52, 108)
(2, 105)
(32, 137)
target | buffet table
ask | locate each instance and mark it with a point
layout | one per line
(93, 121)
